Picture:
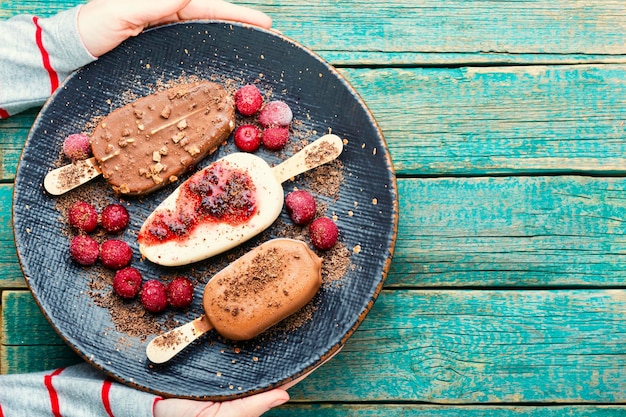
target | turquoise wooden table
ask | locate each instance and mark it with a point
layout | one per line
(506, 125)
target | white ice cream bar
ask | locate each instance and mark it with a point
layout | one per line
(225, 204)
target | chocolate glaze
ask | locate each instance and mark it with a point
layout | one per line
(150, 142)
(263, 287)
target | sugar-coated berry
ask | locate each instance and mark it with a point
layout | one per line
(275, 113)
(275, 138)
(300, 206)
(180, 292)
(323, 233)
(77, 147)
(115, 254)
(153, 296)
(247, 138)
(84, 250)
(127, 282)
(83, 216)
(114, 218)
(248, 100)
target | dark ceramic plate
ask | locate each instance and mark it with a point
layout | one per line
(365, 209)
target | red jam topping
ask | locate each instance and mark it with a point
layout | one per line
(217, 194)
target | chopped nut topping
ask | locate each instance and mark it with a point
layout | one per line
(178, 137)
(192, 150)
(182, 125)
(156, 156)
(166, 112)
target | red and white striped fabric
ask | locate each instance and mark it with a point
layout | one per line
(77, 390)
(36, 54)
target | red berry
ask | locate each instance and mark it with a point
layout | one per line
(153, 296)
(300, 206)
(323, 233)
(127, 282)
(77, 147)
(115, 254)
(274, 138)
(248, 138)
(84, 250)
(275, 113)
(114, 218)
(83, 216)
(180, 292)
(248, 100)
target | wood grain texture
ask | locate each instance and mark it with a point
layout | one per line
(447, 347)
(10, 272)
(510, 232)
(477, 121)
(499, 120)
(562, 231)
(453, 347)
(429, 32)
(29, 343)
(402, 410)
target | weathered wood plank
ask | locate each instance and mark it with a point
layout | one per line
(510, 232)
(454, 347)
(293, 409)
(22, 322)
(483, 232)
(500, 120)
(11, 275)
(429, 31)
(28, 342)
(22, 359)
(10, 272)
(447, 347)
(477, 121)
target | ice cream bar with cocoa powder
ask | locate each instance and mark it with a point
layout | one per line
(225, 204)
(252, 294)
(150, 142)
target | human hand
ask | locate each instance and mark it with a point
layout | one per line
(104, 24)
(252, 406)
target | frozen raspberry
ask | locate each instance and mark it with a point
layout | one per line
(83, 216)
(77, 147)
(127, 282)
(180, 292)
(84, 250)
(274, 138)
(154, 296)
(114, 218)
(275, 113)
(323, 233)
(248, 138)
(300, 206)
(248, 100)
(115, 254)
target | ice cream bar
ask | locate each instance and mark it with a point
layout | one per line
(225, 204)
(252, 294)
(150, 142)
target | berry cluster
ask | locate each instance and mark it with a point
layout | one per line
(113, 254)
(116, 255)
(153, 294)
(274, 119)
(301, 207)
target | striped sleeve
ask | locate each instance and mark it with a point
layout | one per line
(75, 391)
(36, 54)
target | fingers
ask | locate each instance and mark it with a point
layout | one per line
(215, 9)
(253, 406)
